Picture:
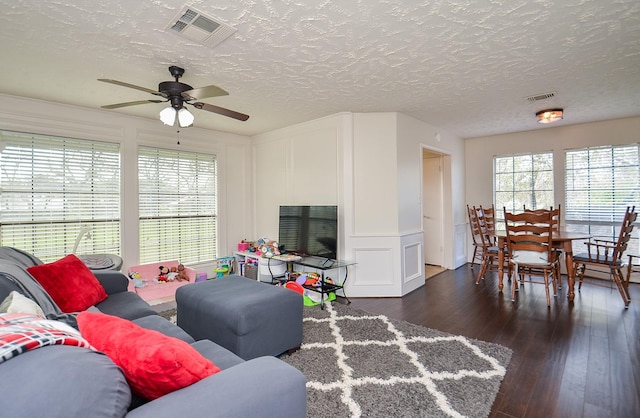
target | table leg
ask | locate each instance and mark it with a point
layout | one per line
(568, 253)
(501, 244)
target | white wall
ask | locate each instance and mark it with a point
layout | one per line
(298, 165)
(370, 165)
(235, 168)
(480, 152)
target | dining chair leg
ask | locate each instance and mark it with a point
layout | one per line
(483, 269)
(558, 272)
(473, 259)
(514, 284)
(546, 287)
(580, 275)
(624, 292)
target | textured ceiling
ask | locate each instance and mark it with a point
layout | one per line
(465, 66)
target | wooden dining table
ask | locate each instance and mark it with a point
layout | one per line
(562, 240)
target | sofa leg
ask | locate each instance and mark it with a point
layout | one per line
(292, 350)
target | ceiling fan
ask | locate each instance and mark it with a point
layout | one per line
(178, 94)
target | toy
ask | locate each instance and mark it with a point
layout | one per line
(163, 276)
(181, 274)
(224, 266)
(295, 287)
(269, 248)
(137, 279)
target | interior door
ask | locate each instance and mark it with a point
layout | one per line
(432, 209)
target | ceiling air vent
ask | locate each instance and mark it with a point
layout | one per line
(194, 25)
(543, 96)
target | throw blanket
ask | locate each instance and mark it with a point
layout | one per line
(19, 257)
(32, 289)
(20, 333)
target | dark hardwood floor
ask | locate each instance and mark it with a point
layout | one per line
(579, 359)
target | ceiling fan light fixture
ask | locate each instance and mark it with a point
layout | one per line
(168, 116)
(550, 115)
(185, 118)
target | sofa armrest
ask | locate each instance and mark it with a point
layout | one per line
(262, 387)
(113, 281)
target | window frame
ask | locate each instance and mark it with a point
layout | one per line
(59, 195)
(177, 211)
(517, 205)
(598, 179)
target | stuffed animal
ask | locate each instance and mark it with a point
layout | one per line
(163, 276)
(182, 274)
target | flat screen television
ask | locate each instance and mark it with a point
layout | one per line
(309, 230)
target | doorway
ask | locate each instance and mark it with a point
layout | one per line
(432, 211)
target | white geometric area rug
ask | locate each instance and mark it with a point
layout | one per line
(364, 365)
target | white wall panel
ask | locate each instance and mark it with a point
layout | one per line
(314, 162)
(374, 162)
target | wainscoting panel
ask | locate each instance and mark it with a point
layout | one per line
(374, 266)
(460, 244)
(412, 259)
(413, 265)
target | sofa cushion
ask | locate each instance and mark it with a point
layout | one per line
(63, 381)
(153, 363)
(219, 355)
(160, 324)
(16, 302)
(126, 305)
(70, 283)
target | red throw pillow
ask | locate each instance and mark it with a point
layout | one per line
(153, 363)
(70, 283)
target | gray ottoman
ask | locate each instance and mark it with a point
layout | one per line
(249, 318)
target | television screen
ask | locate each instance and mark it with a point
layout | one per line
(309, 230)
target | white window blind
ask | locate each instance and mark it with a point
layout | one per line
(57, 191)
(600, 182)
(178, 205)
(523, 180)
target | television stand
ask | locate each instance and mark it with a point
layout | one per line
(324, 264)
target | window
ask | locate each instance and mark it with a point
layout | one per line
(59, 195)
(178, 205)
(523, 181)
(600, 183)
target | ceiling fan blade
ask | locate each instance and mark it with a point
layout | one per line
(204, 92)
(131, 86)
(139, 102)
(221, 111)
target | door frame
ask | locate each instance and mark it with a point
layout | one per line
(445, 190)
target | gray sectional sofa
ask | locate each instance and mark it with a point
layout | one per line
(66, 381)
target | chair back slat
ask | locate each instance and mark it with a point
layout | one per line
(476, 231)
(625, 234)
(530, 231)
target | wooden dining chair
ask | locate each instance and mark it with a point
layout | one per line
(488, 222)
(489, 250)
(476, 239)
(606, 254)
(529, 241)
(555, 226)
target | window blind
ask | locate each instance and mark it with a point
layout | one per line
(177, 205)
(600, 182)
(523, 180)
(58, 193)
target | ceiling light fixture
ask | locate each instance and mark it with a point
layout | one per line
(185, 118)
(169, 115)
(550, 115)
